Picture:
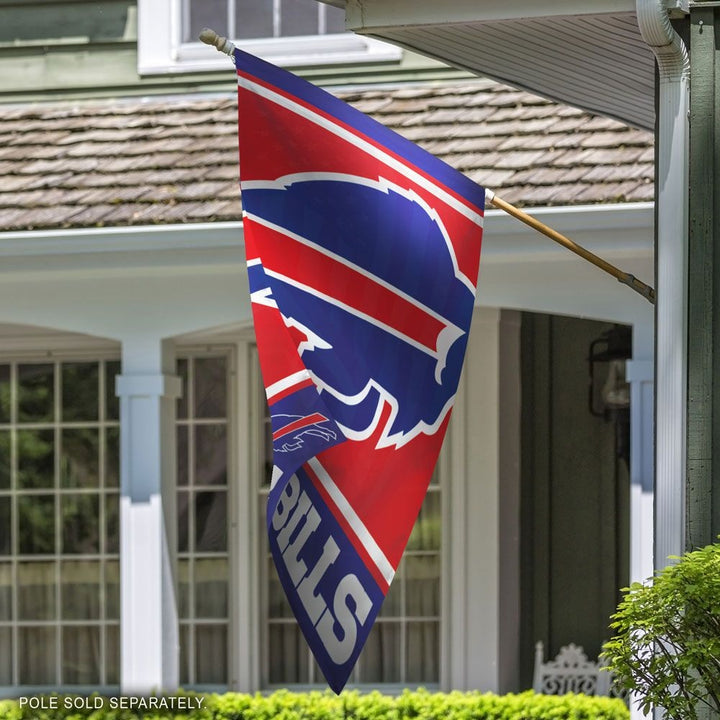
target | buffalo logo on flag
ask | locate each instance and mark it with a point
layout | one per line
(363, 253)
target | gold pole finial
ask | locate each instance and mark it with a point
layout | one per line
(210, 37)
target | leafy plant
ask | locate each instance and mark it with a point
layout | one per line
(666, 646)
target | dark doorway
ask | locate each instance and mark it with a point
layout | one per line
(574, 491)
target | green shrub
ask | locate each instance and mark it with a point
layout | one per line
(667, 637)
(349, 705)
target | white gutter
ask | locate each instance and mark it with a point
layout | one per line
(212, 237)
(128, 238)
(671, 255)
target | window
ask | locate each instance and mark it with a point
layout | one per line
(403, 647)
(202, 507)
(250, 19)
(59, 489)
(289, 33)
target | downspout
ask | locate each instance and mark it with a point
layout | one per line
(671, 176)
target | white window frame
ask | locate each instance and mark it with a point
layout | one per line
(227, 350)
(55, 351)
(161, 52)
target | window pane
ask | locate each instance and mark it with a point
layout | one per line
(210, 522)
(426, 532)
(79, 460)
(5, 459)
(423, 652)
(36, 590)
(79, 391)
(182, 455)
(253, 19)
(112, 401)
(185, 654)
(112, 523)
(210, 387)
(36, 458)
(6, 656)
(4, 393)
(183, 571)
(182, 401)
(423, 586)
(205, 13)
(112, 654)
(37, 655)
(211, 588)
(288, 654)
(298, 17)
(6, 586)
(81, 655)
(35, 393)
(210, 455)
(80, 532)
(80, 587)
(211, 653)
(334, 19)
(36, 520)
(112, 457)
(112, 590)
(5, 526)
(380, 660)
(183, 530)
(393, 604)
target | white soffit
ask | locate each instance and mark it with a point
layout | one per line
(597, 62)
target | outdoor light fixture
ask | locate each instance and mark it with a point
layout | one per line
(608, 391)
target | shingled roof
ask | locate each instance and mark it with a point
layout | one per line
(174, 160)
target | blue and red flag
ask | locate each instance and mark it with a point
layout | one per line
(363, 253)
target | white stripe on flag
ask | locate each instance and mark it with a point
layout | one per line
(357, 525)
(287, 382)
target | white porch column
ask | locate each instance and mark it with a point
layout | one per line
(483, 606)
(148, 607)
(640, 374)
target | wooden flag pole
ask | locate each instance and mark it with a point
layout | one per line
(626, 278)
(210, 37)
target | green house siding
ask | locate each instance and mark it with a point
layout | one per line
(83, 48)
(703, 430)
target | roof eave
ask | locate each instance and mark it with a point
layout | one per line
(586, 53)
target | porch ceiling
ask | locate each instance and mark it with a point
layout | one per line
(587, 54)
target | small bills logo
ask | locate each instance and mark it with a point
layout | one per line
(292, 429)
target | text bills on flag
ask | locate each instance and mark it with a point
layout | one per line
(363, 253)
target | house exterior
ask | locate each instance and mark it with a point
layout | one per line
(133, 461)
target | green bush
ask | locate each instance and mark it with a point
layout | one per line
(667, 637)
(349, 705)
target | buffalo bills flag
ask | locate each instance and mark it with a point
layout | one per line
(363, 253)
